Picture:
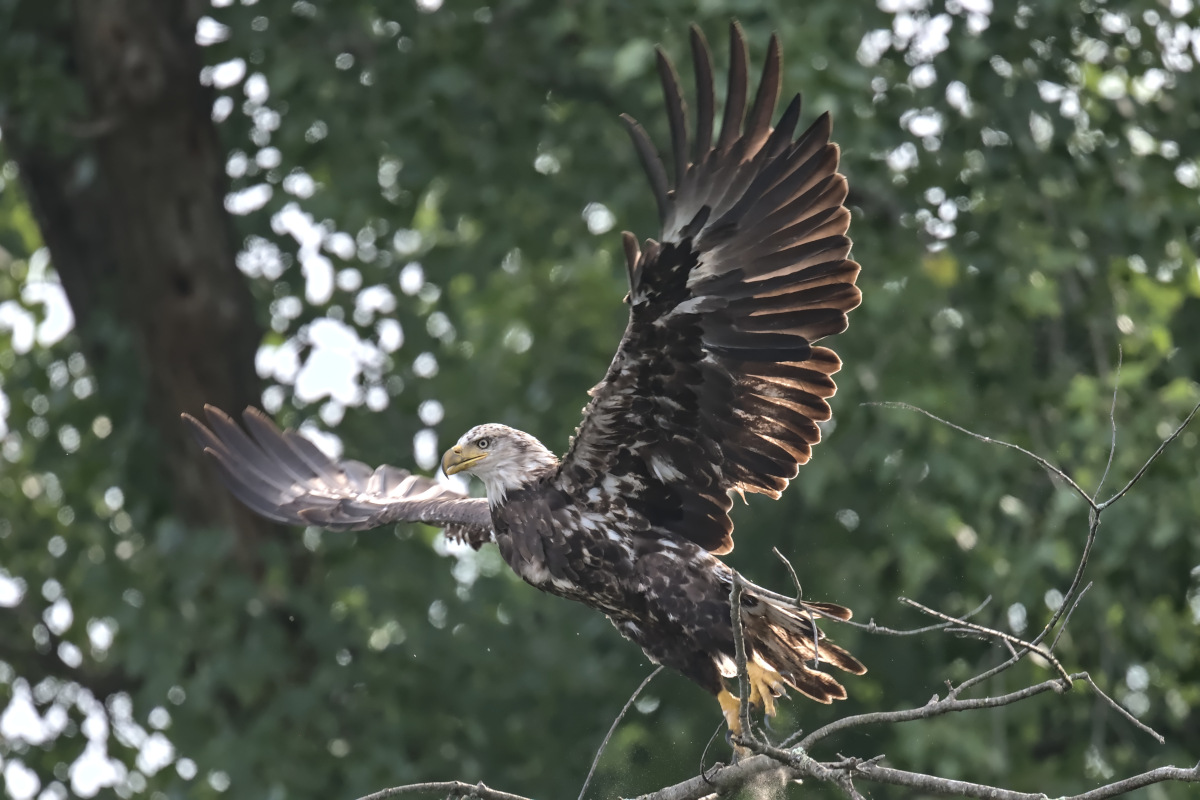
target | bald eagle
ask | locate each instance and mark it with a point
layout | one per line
(716, 389)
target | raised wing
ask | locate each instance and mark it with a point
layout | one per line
(716, 386)
(286, 478)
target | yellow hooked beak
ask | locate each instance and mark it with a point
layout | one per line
(461, 457)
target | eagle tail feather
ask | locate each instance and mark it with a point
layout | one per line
(787, 640)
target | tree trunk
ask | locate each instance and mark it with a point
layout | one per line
(135, 221)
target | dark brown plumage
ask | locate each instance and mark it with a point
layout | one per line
(717, 388)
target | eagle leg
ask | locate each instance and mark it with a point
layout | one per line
(731, 708)
(765, 686)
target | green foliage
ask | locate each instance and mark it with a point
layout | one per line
(1024, 203)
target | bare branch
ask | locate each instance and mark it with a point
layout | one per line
(1067, 619)
(1149, 461)
(791, 602)
(1001, 635)
(988, 439)
(871, 627)
(728, 779)
(934, 708)
(935, 785)
(929, 783)
(632, 698)
(1137, 723)
(816, 634)
(803, 764)
(451, 789)
(985, 675)
(720, 781)
(704, 755)
(1112, 419)
(791, 571)
(1159, 775)
(1071, 596)
(739, 652)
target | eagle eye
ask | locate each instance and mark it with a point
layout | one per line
(483, 443)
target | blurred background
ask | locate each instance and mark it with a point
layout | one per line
(385, 222)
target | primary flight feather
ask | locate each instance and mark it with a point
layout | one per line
(716, 388)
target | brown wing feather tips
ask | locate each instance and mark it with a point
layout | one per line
(758, 125)
(651, 163)
(286, 478)
(705, 95)
(735, 97)
(269, 439)
(676, 113)
(241, 448)
(633, 255)
(831, 610)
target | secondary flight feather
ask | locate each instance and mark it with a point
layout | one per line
(716, 388)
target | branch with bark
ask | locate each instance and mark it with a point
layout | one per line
(793, 761)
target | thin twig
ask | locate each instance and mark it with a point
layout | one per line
(612, 728)
(1112, 418)
(739, 653)
(1008, 639)
(1073, 590)
(851, 762)
(1120, 709)
(812, 622)
(1067, 619)
(1094, 526)
(871, 627)
(847, 785)
(704, 754)
(791, 571)
(983, 676)
(792, 738)
(929, 783)
(933, 784)
(1159, 775)
(1149, 461)
(988, 439)
(790, 602)
(448, 788)
(931, 709)
(1070, 597)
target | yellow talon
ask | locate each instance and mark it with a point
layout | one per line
(731, 708)
(765, 686)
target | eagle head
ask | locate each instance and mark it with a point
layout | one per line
(503, 458)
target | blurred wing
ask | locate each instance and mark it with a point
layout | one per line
(716, 386)
(286, 478)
